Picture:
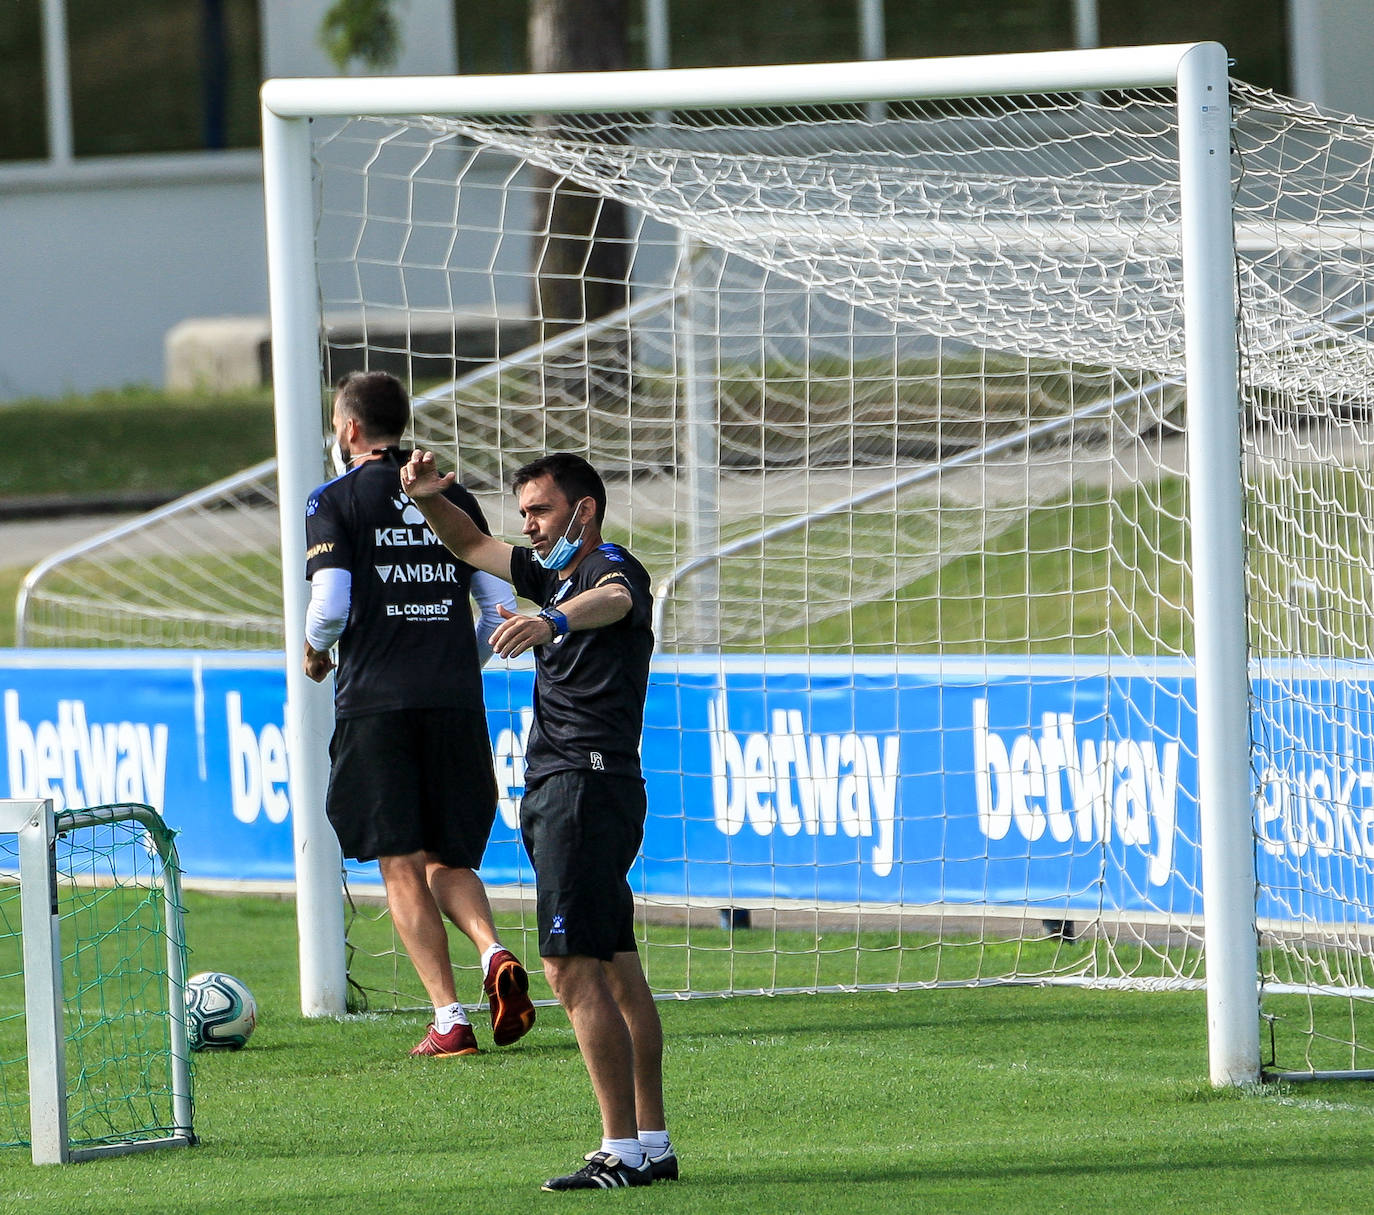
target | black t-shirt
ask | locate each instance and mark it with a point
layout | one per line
(409, 641)
(590, 685)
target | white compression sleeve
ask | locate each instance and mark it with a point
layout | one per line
(489, 593)
(331, 592)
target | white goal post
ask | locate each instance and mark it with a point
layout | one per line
(1198, 74)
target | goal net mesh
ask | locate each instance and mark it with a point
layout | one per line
(889, 399)
(112, 892)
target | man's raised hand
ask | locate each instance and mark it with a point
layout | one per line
(517, 633)
(421, 478)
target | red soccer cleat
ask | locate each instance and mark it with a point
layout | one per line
(460, 1040)
(507, 987)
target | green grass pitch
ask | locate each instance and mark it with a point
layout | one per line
(1008, 1100)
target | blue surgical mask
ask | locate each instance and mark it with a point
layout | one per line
(563, 550)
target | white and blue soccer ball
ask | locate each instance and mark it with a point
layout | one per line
(220, 1012)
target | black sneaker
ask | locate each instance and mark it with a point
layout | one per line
(663, 1168)
(603, 1171)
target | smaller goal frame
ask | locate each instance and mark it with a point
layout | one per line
(37, 826)
(1197, 72)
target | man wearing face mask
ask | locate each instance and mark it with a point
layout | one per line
(582, 814)
(411, 781)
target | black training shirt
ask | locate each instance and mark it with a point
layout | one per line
(590, 685)
(409, 641)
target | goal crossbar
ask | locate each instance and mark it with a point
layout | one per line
(699, 88)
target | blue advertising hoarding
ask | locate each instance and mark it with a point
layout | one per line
(1068, 786)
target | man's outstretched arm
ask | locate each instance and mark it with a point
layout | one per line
(424, 485)
(591, 609)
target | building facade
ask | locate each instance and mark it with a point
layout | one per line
(130, 176)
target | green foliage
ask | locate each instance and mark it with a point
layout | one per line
(122, 441)
(366, 30)
(10, 580)
(130, 439)
(1013, 1099)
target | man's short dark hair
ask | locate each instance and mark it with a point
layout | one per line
(574, 477)
(376, 401)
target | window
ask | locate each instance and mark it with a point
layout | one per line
(146, 76)
(163, 75)
(723, 33)
(492, 38)
(23, 130)
(726, 33)
(1254, 32)
(918, 29)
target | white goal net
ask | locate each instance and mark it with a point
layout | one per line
(890, 400)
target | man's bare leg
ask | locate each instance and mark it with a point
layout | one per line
(463, 898)
(631, 993)
(603, 1037)
(418, 923)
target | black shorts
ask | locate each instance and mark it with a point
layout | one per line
(413, 780)
(582, 831)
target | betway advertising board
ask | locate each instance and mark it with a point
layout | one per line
(896, 780)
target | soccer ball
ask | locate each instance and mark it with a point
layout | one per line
(220, 1012)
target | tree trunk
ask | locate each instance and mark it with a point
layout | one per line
(581, 266)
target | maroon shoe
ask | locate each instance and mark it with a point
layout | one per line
(508, 987)
(460, 1040)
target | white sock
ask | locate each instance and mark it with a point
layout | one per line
(446, 1018)
(487, 954)
(655, 1143)
(627, 1149)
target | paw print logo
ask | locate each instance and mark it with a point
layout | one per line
(410, 513)
(557, 925)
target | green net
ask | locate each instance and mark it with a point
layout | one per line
(120, 925)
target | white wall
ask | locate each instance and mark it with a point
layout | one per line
(1331, 44)
(102, 259)
(99, 259)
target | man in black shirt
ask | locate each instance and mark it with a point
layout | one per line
(411, 779)
(582, 814)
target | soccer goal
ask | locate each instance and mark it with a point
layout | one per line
(996, 431)
(203, 571)
(91, 934)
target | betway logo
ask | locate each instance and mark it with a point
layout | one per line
(509, 754)
(258, 769)
(79, 764)
(1126, 788)
(817, 783)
